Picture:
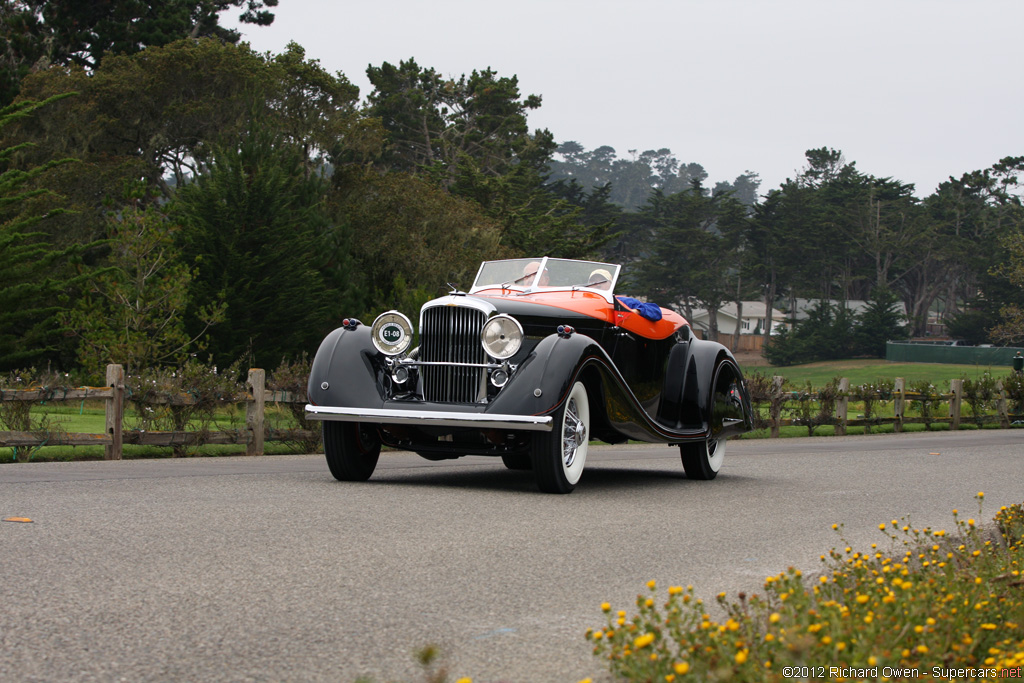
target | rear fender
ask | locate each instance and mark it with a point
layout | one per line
(714, 394)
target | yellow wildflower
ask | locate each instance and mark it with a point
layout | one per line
(643, 641)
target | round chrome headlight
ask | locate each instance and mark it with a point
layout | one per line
(501, 337)
(392, 333)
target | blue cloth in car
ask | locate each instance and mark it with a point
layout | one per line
(647, 310)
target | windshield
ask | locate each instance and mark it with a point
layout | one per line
(538, 274)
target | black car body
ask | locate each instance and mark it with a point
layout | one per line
(528, 366)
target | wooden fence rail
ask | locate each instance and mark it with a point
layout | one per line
(900, 397)
(254, 435)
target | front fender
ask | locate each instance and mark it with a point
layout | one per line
(544, 379)
(344, 371)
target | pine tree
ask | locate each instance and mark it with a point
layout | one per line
(35, 276)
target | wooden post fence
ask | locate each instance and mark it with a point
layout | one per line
(254, 411)
(253, 436)
(115, 413)
(899, 394)
(956, 387)
(842, 406)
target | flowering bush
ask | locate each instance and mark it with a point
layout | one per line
(18, 416)
(825, 397)
(927, 401)
(181, 398)
(293, 377)
(933, 600)
(980, 394)
(868, 394)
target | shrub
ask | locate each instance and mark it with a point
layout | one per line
(18, 416)
(182, 398)
(825, 412)
(868, 394)
(932, 600)
(980, 394)
(293, 377)
(927, 401)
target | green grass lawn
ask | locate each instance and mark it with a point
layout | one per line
(864, 371)
(90, 418)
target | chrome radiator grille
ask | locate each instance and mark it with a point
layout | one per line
(451, 334)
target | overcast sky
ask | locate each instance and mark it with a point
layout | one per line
(913, 89)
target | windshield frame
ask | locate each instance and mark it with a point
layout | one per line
(547, 266)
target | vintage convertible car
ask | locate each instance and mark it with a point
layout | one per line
(537, 359)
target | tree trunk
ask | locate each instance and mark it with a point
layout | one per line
(739, 316)
(769, 302)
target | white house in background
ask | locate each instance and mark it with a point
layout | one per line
(858, 306)
(751, 320)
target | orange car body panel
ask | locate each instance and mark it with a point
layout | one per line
(595, 306)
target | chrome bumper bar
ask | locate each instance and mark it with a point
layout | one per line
(431, 418)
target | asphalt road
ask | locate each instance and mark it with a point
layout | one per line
(266, 569)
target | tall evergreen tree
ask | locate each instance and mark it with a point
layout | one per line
(40, 33)
(254, 228)
(35, 276)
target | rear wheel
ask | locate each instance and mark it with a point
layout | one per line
(702, 459)
(352, 450)
(559, 456)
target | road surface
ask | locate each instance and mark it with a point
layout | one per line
(266, 569)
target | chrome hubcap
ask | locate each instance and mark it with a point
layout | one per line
(574, 433)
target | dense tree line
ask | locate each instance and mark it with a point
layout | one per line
(167, 192)
(832, 233)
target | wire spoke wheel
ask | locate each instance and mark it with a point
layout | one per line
(559, 456)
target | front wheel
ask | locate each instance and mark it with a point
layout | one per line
(702, 459)
(352, 450)
(558, 456)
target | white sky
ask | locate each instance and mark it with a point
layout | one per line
(913, 89)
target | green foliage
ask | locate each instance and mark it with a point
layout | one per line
(980, 394)
(292, 376)
(318, 112)
(931, 600)
(186, 397)
(825, 397)
(470, 137)
(826, 334)
(926, 405)
(879, 391)
(433, 122)
(166, 106)
(691, 243)
(631, 182)
(38, 33)
(408, 234)
(19, 416)
(133, 311)
(1013, 385)
(37, 276)
(1010, 329)
(254, 227)
(878, 323)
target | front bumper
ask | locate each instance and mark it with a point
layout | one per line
(431, 418)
